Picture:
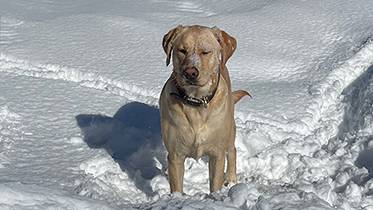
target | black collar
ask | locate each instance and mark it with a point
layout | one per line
(181, 95)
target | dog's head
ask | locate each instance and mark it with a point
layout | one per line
(197, 54)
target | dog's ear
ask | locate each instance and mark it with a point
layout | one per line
(228, 44)
(168, 42)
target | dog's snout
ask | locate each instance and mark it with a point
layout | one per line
(191, 73)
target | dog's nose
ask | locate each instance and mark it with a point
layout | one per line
(191, 73)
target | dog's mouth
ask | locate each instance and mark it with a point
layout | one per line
(192, 83)
(195, 84)
(200, 83)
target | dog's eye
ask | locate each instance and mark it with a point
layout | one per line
(183, 51)
(206, 52)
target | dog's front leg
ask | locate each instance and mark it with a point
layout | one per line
(176, 172)
(216, 171)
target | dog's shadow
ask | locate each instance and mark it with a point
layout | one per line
(132, 137)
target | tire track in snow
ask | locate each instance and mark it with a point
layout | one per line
(20, 67)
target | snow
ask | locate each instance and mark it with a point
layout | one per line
(21, 196)
(238, 194)
(80, 81)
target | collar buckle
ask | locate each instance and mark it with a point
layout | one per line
(205, 101)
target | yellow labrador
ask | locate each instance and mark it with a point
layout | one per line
(197, 104)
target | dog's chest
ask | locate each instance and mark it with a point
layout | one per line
(200, 128)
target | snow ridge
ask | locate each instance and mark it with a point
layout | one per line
(302, 159)
(325, 110)
(328, 94)
(16, 66)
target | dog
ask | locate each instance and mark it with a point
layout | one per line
(197, 104)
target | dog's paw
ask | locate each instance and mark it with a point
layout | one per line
(216, 196)
(229, 184)
(230, 181)
(177, 194)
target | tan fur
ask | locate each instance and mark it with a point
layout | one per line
(238, 94)
(194, 131)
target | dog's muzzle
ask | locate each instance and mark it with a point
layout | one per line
(191, 74)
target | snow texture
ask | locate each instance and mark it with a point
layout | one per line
(79, 88)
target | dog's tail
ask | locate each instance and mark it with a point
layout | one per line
(238, 94)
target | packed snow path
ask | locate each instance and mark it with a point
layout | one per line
(79, 124)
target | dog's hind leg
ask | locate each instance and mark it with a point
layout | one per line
(231, 176)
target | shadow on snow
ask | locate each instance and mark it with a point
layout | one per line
(132, 137)
(359, 106)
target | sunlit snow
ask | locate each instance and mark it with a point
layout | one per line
(79, 120)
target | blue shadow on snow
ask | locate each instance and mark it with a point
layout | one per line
(133, 139)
